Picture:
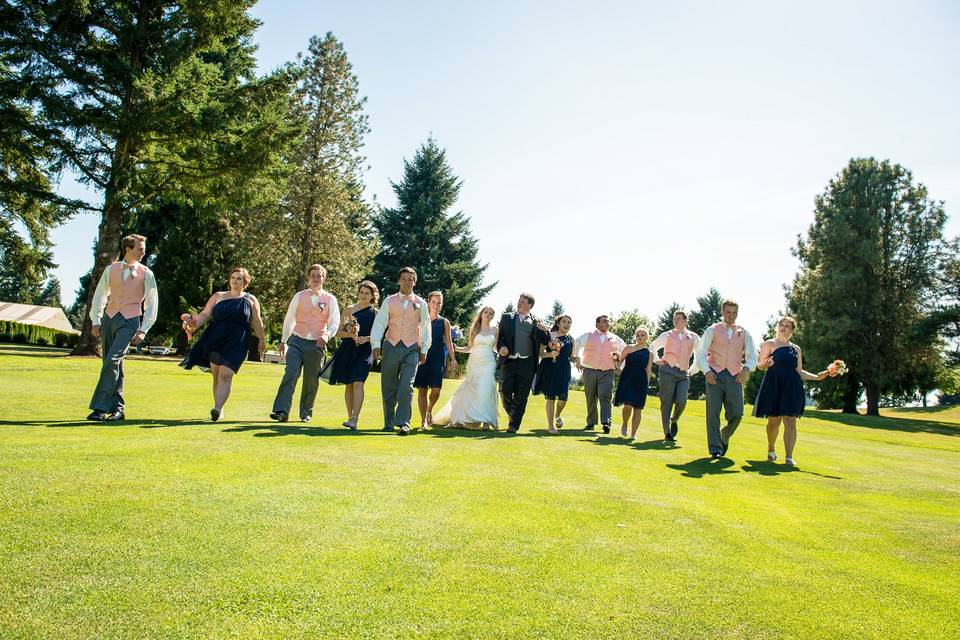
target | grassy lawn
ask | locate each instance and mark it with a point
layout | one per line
(170, 526)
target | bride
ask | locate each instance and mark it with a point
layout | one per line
(474, 403)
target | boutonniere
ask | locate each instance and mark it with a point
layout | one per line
(322, 306)
(416, 305)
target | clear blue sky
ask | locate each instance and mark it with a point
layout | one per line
(624, 155)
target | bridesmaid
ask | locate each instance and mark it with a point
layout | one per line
(351, 363)
(634, 380)
(553, 373)
(224, 345)
(781, 396)
(430, 372)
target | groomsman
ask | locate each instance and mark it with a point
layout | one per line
(313, 315)
(678, 345)
(726, 356)
(404, 320)
(128, 290)
(601, 356)
(518, 345)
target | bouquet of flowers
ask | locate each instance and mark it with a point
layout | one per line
(185, 319)
(456, 333)
(351, 325)
(837, 368)
(554, 346)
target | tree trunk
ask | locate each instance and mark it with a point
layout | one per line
(851, 395)
(873, 400)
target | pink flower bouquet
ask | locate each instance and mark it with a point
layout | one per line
(837, 368)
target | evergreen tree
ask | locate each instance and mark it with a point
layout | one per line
(50, 296)
(141, 99)
(422, 233)
(79, 309)
(868, 275)
(509, 308)
(555, 311)
(665, 320)
(23, 267)
(708, 311)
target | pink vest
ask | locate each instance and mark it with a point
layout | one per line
(126, 296)
(726, 353)
(678, 349)
(404, 324)
(311, 319)
(597, 355)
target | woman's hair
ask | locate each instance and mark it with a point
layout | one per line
(374, 291)
(789, 319)
(478, 322)
(643, 328)
(438, 294)
(244, 272)
(556, 321)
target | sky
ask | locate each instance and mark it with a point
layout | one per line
(626, 155)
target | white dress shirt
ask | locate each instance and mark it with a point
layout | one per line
(661, 343)
(581, 342)
(333, 318)
(749, 350)
(150, 297)
(382, 320)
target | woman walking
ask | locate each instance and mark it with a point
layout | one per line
(351, 362)
(553, 372)
(429, 378)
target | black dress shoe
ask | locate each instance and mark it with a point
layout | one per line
(670, 438)
(97, 416)
(214, 415)
(513, 429)
(389, 427)
(404, 430)
(716, 456)
(279, 416)
(589, 427)
(115, 416)
(606, 428)
(674, 427)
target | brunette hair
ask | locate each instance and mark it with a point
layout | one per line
(556, 321)
(130, 241)
(529, 298)
(789, 319)
(438, 294)
(244, 273)
(407, 270)
(682, 312)
(374, 291)
(599, 318)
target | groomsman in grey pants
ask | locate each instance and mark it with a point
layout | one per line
(726, 355)
(401, 334)
(124, 308)
(679, 345)
(601, 356)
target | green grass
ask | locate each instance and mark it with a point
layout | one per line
(170, 526)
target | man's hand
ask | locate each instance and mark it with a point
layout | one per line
(362, 340)
(282, 348)
(743, 376)
(710, 377)
(138, 337)
(504, 352)
(321, 343)
(95, 331)
(453, 366)
(543, 327)
(423, 358)
(376, 354)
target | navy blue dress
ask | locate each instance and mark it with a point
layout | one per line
(781, 391)
(351, 362)
(226, 341)
(553, 376)
(633, 383)
(430, 373)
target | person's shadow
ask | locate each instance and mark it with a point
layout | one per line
(704, 467)
(768, 468)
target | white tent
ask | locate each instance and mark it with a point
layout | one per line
(50, 317)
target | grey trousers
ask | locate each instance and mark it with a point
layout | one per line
(598, 385)
(302, 355)
(674, 388)
(115, 336)
(398, 367)
(728, 394)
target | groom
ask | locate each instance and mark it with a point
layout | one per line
(518, 344)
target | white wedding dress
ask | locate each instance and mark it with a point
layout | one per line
(474, 403)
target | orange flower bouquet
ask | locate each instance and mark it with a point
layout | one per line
(837, 368)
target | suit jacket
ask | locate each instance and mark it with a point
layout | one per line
(507, 334)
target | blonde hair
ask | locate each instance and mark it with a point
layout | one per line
(478, 322)
(730, 302)
(319, 267)
(643, 328)
(789, 319)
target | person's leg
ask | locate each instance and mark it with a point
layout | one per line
(625, 413)
(668, 383)
(550, 404)
(432, 402)
(508, 385)
(637, 414)
(215, 374)
(525, 374)
(115, 336)
(714, 393)
(223, 390)
(312, 364)
(590, 379)
(605, 392)
(789, 436)
(348, 400)
(291, 374)
(732, 407)
(422, 404)
(357, 402)
(389, 376)
(408, 371)
(773, 430)
(561, 403)
(680, 392)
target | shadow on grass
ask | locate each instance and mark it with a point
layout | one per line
(287, 429)
(898, 423)
(657, 444)
(767, 468)
(143, 424)
(704, 467)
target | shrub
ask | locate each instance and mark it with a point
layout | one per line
(41, 341)
(19, 338)
(5, 336)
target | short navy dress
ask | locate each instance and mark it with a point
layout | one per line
(351, 362)
(633, 384)
(226, 340)
(430, 373)
(781, 391)
(553, 375)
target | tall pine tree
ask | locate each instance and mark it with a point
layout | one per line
(423, 233)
